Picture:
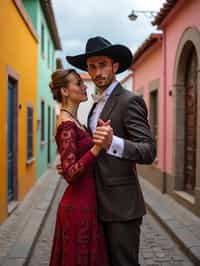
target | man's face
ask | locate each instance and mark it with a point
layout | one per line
(102, 70)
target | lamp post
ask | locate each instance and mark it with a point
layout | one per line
(133, 15)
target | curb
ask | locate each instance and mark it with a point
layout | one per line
(192, 253)
(162, 207)
(20, 252)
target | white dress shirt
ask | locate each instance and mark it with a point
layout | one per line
(117, 146)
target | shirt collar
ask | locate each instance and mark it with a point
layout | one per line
(110, 89)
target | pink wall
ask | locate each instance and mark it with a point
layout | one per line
(187, 16)
(152, 65)
(148, 68)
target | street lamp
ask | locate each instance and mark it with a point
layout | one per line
(133, 15)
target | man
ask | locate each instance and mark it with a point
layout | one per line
(120, 200)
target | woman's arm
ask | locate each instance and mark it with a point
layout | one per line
(72, 168)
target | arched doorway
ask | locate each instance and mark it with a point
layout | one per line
(187, 112)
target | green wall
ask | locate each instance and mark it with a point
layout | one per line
(45, 69)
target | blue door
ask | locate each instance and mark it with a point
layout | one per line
(11, 105)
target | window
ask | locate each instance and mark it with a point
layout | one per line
(29, 133)
(42, 39)
(42, 121)
(154, 114)
(48, 53)
(53, 122)
(52, 60)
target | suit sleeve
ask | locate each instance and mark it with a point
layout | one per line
(139, 145)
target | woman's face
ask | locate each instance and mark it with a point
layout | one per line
(76, 90)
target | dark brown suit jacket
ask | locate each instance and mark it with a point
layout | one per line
(119, 195)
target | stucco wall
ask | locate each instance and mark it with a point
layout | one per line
(19, 52)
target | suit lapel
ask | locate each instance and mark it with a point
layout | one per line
(89, 115)
(111, 102)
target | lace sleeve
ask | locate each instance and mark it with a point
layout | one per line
(67, 146)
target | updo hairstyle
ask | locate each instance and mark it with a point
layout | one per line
(59, 79)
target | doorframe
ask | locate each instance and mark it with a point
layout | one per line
(190, 35)
(11, 73)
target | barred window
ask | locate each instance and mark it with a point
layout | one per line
(49, 53)
(42, 39)
(29, 132)
(53, 122)
(42, 121)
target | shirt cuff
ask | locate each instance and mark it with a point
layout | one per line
(117, 147)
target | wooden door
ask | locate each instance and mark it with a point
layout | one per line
(190, 122)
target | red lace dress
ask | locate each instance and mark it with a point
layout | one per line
(78, 238)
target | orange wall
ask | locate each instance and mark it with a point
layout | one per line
(19, 51)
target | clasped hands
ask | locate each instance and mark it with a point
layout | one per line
(103, 134)
(101, 137)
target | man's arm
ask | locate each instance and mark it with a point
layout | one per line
(139, 145)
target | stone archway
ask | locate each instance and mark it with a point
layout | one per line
(188, 44)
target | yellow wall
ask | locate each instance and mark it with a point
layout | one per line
(18, 49)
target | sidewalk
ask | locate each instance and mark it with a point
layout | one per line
(182, 225)
(19, 232)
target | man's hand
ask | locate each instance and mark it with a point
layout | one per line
(103, 134)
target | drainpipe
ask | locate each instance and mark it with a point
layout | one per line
(164, 187)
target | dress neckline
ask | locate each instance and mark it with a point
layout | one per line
(70, 122)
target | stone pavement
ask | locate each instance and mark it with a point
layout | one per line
(26, 236)
(19, 232)
(157, 248)
(181, 224)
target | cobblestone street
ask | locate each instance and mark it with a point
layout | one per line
(157, 248)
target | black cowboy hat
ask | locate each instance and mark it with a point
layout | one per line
(100, 46)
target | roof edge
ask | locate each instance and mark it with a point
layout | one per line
(148, 43)
(49, 14)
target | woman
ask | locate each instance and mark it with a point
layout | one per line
(78, 238)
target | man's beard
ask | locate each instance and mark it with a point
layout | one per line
(104, 84)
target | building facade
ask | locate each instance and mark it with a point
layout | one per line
(42, 16)
(18, 104)
(147, 61)
(177, 171)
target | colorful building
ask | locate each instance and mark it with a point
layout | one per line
(18, 104)
(147, 62)
(42, 16)
(171, 65)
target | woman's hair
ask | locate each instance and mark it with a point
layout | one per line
(59, 79)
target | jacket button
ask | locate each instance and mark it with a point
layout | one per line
(114, 151)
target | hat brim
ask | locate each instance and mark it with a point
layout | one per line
(118, 53)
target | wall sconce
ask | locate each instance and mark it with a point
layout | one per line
(133, 15)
